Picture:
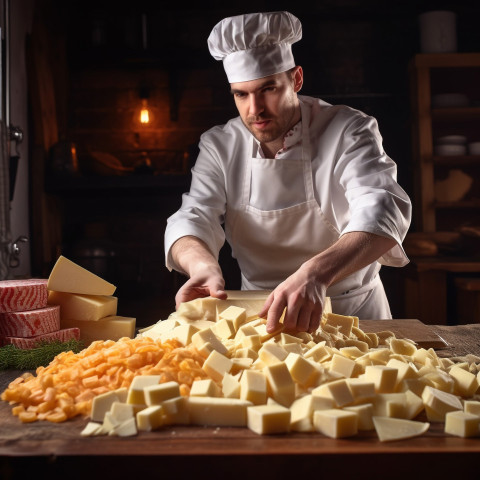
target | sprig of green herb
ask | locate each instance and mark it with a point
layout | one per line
(12, 357)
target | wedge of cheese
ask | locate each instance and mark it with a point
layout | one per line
(67, 276)
(389, 429)
(113, 327)
(83, 307)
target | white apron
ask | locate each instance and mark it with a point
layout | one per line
(297, 232)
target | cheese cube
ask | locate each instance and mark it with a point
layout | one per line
(113, 327)
(162, 326)
(364, 413)
(136, 393)
(204, 308)
(389, 429)
(207, 335)
(150, 418)
(224, 328)
(362, 390)
(280, 383)
(101, 404)
(217, 365)
(414, 405)
(158, 393)
(218, 411)
(318, 353)
(293, 348)
(384, 378)
(337, 390)
(204, 388)
(236, 314)
(121, 411)
(83, 307)
(268, 419)
(438, 403)
(245, 331)
(342, 322)
(342, 365)
(253, 387)
(272, 353)
(335, 423)
(246, 353)
(251, 341)
(404, 370)
(390, 405)
(240, 364)
(67, 276)
(182, 333)
(231, 386)
(472, 406)
(465, 382)
(302, 371)
(302, 409)
(462, 424)
(175, 411)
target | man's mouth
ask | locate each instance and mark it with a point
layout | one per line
(260, 124)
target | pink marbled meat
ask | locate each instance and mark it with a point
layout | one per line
(30, 322)
(27, 343)
(21, 295)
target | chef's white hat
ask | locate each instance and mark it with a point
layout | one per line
(255, 45)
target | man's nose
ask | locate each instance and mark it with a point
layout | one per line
(256, 105)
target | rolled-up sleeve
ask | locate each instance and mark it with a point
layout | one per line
(368, 177)
(202, 210)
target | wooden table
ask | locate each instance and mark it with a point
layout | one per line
(58, 450)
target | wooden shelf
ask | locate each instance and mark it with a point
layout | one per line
(457, 160)
(452, 114)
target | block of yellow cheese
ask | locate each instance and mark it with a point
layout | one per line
(268, 419)
(155, 394)
(462, 424)
(204, 388)
(253, 387)
(280, 384)
(112, 327)
(217, 365)
(136, 394)
(218, 411)
(438, 403)
(150, 418)
(335, 423)
(83, 307)
(67, 276)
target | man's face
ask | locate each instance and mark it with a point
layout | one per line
(268, 106)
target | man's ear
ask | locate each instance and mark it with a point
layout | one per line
(297, 79)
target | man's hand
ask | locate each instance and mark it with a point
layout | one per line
(303, 292)
(303, 295)
(206, 279)
(207, 282)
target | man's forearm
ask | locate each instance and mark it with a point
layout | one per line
(190, 253)
(349, 254)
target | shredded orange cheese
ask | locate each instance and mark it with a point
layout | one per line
(66, 387)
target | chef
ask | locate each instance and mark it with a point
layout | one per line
(302, 190)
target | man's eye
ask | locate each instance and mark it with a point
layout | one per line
(239, 95)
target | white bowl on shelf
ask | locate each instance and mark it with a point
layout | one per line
(451, 140)
(450, 100)
(474, 148)
(450, 150)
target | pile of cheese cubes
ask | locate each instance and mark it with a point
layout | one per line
(337, 382)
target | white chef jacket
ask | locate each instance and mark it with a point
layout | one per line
(354, 186)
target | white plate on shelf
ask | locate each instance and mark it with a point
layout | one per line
(451, 140)
(449, 150)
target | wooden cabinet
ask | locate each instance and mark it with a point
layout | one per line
(445, 93)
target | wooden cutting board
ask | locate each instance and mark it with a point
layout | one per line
(421, 334)
(410, 328)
